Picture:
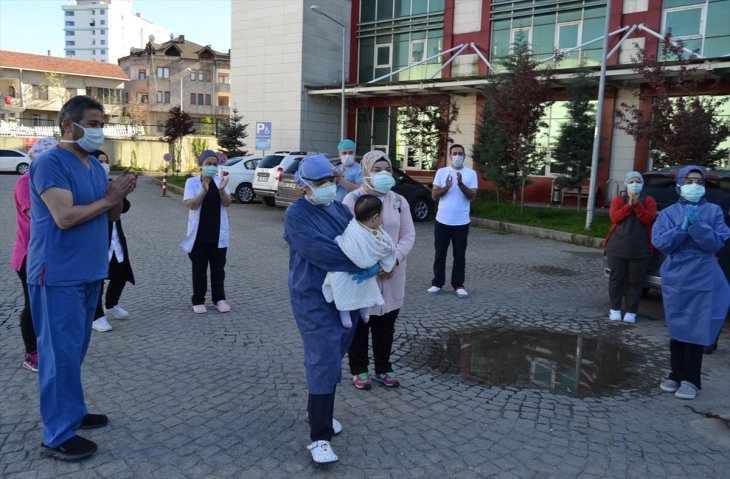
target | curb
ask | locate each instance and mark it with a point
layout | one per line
(543, 233)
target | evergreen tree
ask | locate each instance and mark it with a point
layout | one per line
(231, 135)
(575, 144)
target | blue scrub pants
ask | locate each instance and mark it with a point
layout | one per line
(62, 317)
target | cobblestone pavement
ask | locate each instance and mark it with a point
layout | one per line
(224, 395)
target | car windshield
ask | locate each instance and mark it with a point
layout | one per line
(270, 161)
(294, 166)
(233, 161)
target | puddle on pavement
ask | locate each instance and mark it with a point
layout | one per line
(565, 364)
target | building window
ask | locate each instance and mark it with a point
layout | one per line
(102, 22)
(141, 74)
(69, 14)
(102, 12)
(102, 52)
(103, 32)
(70, 24)
(163, 97)
(40, 92)
(193, 98)
(70, 53)
(11, 91)
(520, 34)
(568, 35)
(223, 101)
(686, 24)
(93, 32)
(142, 97)
(224, 78)
(200, 75)
(193, 75)
(103, 42)
(207, 99)
(163, 72)
(383, 56)
(70, 93)
(201, 98)
(93, 42)
(36, 119)
(416, 49)
(70, 43)
(93, 52)
(70, 33)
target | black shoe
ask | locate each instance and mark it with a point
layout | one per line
(93, 421)
(74, 449)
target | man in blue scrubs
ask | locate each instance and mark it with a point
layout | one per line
(71, 204)
(348, 174)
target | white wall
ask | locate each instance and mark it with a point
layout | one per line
(467, 16)
(466, 122)
(622, 147)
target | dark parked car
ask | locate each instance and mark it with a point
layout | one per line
(417, 194)
(661, 185)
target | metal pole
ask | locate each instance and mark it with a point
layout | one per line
(342, 99)
(181, 92)
(599, 114)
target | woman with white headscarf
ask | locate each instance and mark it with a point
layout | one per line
(397, 222)
(628, 246)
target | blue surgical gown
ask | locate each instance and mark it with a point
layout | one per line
(695, 291)
(310, 231)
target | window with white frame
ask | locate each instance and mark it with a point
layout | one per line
(383, 55)
(568, 35)
(686, 24)
(416, 51)
(520, 34)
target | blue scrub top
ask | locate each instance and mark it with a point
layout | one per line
(77, 255)
(310, 231)
(352, 174)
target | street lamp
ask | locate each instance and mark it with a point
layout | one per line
(317, 10)
(182, 74)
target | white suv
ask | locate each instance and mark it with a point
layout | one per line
(268, 172)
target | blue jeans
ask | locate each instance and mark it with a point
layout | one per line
(62, 317)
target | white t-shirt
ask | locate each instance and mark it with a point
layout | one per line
(454, 207)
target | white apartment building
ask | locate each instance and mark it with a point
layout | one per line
(105, 30)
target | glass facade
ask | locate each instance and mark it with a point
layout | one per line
(549, 26)
(703, 27)
(393, 34)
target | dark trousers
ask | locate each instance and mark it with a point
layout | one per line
(626, 275)
(686, 362)
(320, 409)
(443, 236)
(117, 280)
(201, 256)
(383, 328)
(26, 320)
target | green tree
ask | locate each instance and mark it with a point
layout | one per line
(199, 146)
(206, 127)
(574, 147)
(178, 125)
(515, 102)
(232, 134)
(428, 128)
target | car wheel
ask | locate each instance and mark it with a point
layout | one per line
(421, 209)
(22, 168)
(244, 193)
(269, 201)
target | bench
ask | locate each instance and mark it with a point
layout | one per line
(577, 193)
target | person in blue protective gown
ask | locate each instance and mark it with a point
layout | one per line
(310, 227)
(695, 292)
(71, 204)
(348, 174)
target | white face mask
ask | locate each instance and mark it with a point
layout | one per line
(457, 161)
(348, 160)
(106, 168)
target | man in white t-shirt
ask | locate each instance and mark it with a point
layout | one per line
(455, 187)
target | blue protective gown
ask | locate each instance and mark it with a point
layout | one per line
(695, 291)
(310, 231)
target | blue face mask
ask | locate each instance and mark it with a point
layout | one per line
(92, 140)
(324, 194)
(210, 171)
(383, 182)
(692, 192)
(634, 187)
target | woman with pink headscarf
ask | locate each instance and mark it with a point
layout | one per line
(378, 180)
(20, 252)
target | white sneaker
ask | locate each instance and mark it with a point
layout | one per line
(434, 290)
(117, 312)
(101, 325)
(336, 426)
(614, 315)
(461, 292)
(630, 318)
(322, 452)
